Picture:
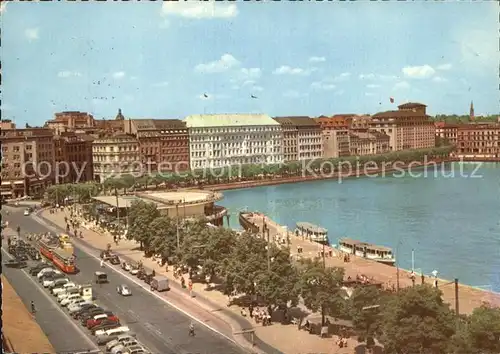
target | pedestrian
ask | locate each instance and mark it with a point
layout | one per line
(190, 287)
(102, 263)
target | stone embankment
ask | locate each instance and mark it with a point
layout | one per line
(18, 322)
(388, 167)
(469, 297)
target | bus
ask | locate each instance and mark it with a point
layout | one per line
(64, 260)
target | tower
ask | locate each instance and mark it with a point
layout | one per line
(471, 112)
(119, 116)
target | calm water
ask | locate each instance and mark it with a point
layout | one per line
(452, 222)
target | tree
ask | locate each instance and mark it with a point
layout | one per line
(417, 321)
(480, 334)
(364, 307)
(321, 289)
(140, 217)
(163, 237)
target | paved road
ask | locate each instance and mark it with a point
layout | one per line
(158, 326)
(49, 316)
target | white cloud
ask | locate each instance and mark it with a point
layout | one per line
(419, 72)
(249, 73)
(377, 77)
(447, 66)
(402, 85)
(369, 94)
(294, 94)
(66, 73)
(160, 84)
(119, 75)
(319, 85)
(199, 10)
(439, 79)
(342, 77)
(31, 33)
(317, 59)
(226, 62)
(372, 86)
(288, 70)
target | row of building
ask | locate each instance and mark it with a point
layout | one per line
(76, 147)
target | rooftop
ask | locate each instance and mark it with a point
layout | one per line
(411, 105)
(297, 121)
(311, 227)
(358, 243)
(229, 120)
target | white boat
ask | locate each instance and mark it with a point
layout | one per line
(376, 253)
(312, 232)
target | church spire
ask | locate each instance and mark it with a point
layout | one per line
(471, 112)
(119, 116)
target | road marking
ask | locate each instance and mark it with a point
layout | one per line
(51, 300)
(86, 250)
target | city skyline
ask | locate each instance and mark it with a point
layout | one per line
(171, 60)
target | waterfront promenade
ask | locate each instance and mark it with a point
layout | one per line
(212, 306)
(469, 297)
(22, 334)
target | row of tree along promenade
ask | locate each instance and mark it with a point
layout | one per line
(246, 176)
(254, 271)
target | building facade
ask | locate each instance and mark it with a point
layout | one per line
(28, 161)
(366, 142)
(408, 128)
(478, 141)
(70, 121)
(163, 143)
(116, 155)
(73, 158)
(335, 136)
(219, 140)
(302, 138)
(447, 132)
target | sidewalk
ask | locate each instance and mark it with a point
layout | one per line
(469, 297)
(212, 305)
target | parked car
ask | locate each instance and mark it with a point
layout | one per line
(103, 339)
(50, 279)
(98, 319)
(136, 349)
(126, 266)
(78, 305)
(37, 268)
(104, 326)
(62, 288)
(67, 292)
(44, 271)
(81, 309)
(119, 340)
(113, 331)
(14, 263)
(26, 212)
(121, 348)
(89, 314)
(56, 283)
(69, 299)
(123, 290)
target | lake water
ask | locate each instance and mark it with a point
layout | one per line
(450, 216)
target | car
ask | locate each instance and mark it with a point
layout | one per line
(48, 275)
(120, 339)
(67, 292)
(100, 277)
(57, 283)
(26, 212)
(123, 290)
(122, 347)
(98, 319)
(69, 299)
(114, 260)
(107, 338)
(136, 349)
(126, 266)
(104, 326)
(114, 331)
(81, 308)
(78, 305)
(62, 288)
(134, 270)
(37, 268)
(83, 317)
(22, 256)
(50, 279)
(14, 263)
(44, 271)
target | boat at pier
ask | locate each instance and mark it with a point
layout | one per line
(369, 251)
(312, 232)
(246, 224)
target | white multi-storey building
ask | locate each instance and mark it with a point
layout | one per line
(218, 140)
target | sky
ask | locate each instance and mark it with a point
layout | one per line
(173, 59)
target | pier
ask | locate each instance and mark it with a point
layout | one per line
(469, 297)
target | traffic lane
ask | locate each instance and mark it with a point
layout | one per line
(153, 320)
(64, 336)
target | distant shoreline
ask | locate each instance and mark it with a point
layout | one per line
(287, 180)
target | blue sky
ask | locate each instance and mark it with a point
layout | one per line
(157, 60)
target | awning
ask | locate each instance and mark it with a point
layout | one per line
(6, 193)
(5, 183)
(19, 182)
